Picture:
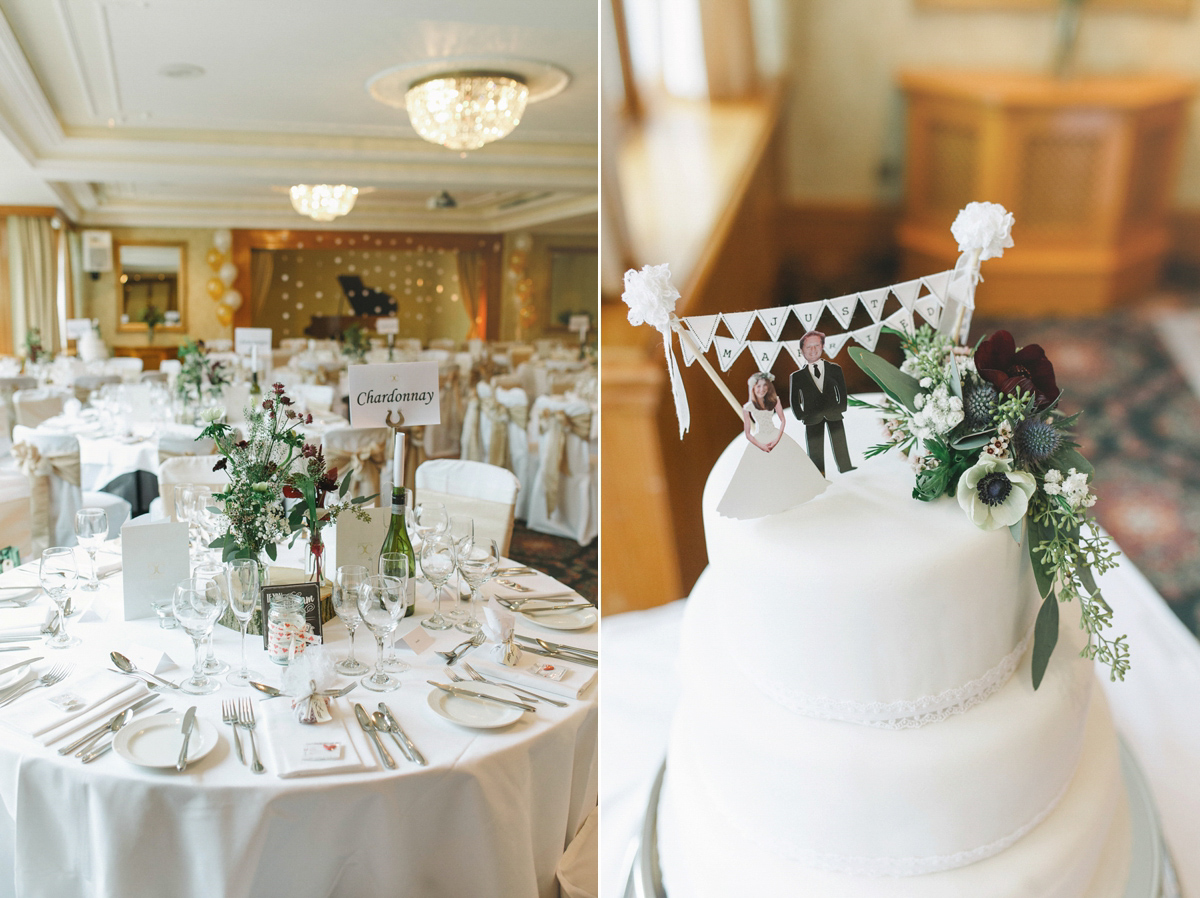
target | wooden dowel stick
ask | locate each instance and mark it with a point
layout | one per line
(685, 337)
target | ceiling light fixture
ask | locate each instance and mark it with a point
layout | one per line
(465, 110)
(323, 202)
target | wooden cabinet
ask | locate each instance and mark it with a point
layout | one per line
(1086, 165)
(152, 356)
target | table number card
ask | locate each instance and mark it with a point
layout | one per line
(246, 337)
(154, 557)
(358, 542)
(310, 595)
(408, 387)
(385, 326)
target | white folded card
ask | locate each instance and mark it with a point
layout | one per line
(529, 586)
(286, 741)
(573, 684)
(154, 557)
(147, 658)
(410, 388)
(358, 542)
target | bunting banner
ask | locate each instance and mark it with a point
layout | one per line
(739, 323)
(688, 356)
(907, 292)
(868, 336)
(728, 349)
(834, 344)
(773, 320)
(873, 301)
(843, 308)
(938, 284)
(765, 352)
(929, 308)
(703, 327)
(808, 313)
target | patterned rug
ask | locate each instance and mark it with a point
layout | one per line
(1141, 430)
(563, 559)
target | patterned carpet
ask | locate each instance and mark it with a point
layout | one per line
(563, 559)
(1141, 430)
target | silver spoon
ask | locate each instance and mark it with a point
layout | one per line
(328, 693)
(84, 745)
(129, 667)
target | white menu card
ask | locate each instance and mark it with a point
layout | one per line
(154, 557)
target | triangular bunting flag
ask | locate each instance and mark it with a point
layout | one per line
(809, 313)
(901, 320)
(834, 344)
(703, 327)
(739, 323)
(843, 308)
(868, 336)
(774, 320)
(938, 283)
(929, 308)
(873, 301)
(688, 355)
(907, 292)
(793, 348)
(960, 291)
(765, 353)
(728, 350)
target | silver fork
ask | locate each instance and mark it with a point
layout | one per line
(55, 674)
(229, 716)
(533, 696)
(246, 719)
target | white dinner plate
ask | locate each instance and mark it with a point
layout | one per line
(16, 598)
(573, 619)
(475, 712)
(155, 741)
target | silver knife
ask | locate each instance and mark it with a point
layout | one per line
(557, 645)
(566, 606)
(394, 726)
(364, 721)
(93, 735)
(20, 638)
(561, 656)
(189, 721)
(471, 693)
(15, 648)
(11, 667)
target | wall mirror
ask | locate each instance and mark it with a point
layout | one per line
(149, 279)
(574, 285)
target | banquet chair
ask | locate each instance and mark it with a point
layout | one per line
(184, 469)
(444, 440)
(128, 368)
(154, 377)
(563, 492)
(51, 462)
(182, 445)
(443, 343)
(87, 384)
(171, 367)
(519, 354)
(578, 870)
(312, 397)
(500, 423)
(8, 386)
(32, 407)
(485, 492)
(366, 451)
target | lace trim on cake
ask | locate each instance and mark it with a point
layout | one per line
(903, 714)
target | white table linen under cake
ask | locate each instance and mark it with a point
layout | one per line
(489, 817)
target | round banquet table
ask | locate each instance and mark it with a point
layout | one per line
(490, 815)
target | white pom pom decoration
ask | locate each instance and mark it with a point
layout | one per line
(985, 227)
(651, 296)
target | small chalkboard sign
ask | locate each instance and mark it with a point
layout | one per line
(309, 593)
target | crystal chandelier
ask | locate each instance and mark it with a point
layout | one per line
(463, 111)
(323, 202)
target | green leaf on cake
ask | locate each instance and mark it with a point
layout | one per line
(1045, 636)
(900, 386)
(1043, 571)
(1015, 531)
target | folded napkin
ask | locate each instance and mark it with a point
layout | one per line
(104, 568)
(27, 621)
(574, 683)
(285, 738)
(36, 715)
(535, 586)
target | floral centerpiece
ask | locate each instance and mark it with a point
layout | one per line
(355, 344)
(199, 377)
(35, 353)
(983, 425)
(153, 317)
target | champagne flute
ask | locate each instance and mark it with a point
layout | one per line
(347, 581)
(198, 603)
(243, 599)
(381, 602)
(477, 562)
(91, 529)
(462, 530)
(57, 573)
(437, 561)
(219, 574)
(394, 564)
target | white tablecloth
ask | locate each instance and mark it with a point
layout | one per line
(1155, 708)
(490, 816)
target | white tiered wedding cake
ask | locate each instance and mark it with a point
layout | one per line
(883, 738)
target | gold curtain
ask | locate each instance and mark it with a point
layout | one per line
(262, 269)
(472, 285)
(33, 276)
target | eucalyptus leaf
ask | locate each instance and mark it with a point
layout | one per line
(1045, 637)
(345, 486)
(1084, 573)
(955, 378)
(272, 552)
(1043, 573)
(903, 388)
(1015, 531)
(974, 440)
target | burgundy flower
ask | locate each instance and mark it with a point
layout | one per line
(308, 419)
(309, 450)
(283, 400)
(268, 404)
(1000, 364)
(328, 480)
(291, 492)
(221, 463)
(278, 388)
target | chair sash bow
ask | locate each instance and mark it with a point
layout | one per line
(557, 425)
(39, 469)
(500, 416)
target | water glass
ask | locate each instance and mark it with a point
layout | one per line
(437, 562)
(198, 604)
(219, 574)
(347, 580)
(477, 563)
(243, 599)
(57, 573)
(91, 529)
(461, 529)
(381, 603)
(394, 564)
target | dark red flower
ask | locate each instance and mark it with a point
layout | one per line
(268, 404)
(328, 480)
(221, 463)
(1000, 364)
(308, 419)
(292, 493)
(309, 450)
(278, 388)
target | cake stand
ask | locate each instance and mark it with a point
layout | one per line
(1150, 872)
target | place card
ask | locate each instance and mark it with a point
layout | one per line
(410, 388)
(154, 557)
(358, 542)
(417, 639)
(147, 658)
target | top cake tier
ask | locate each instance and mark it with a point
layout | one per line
(879, 609)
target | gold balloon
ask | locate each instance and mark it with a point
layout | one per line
(215, 257)
(215, 288)
(225, 315)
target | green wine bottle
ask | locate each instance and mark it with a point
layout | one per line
(397, 541)
(255, 389)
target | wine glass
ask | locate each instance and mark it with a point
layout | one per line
(219, 574)
(477, 562)
(91, 529)
(199, 499)
(381, 602)
(198, 603)
(57, 573)
(428, 518)
(243, 599)
(437, 561)
(347, 581)
(395, 564)
(461, 529)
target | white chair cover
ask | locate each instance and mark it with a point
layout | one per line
(444, 440)
(365, 451)
(563, 493)
(235, 398)
(86, 384)
(154, 377)
(503, 417)
(175, 445)
(14, 510)
(171, 366)
(128, 368)
(32, 407)
(311, 397)
(443, 343)
(53, 523)
(485, 492)
(184, 469)
(8, 386)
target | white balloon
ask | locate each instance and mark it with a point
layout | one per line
(223, 239)
(227, 273)
(522, 241)
(233, 299)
